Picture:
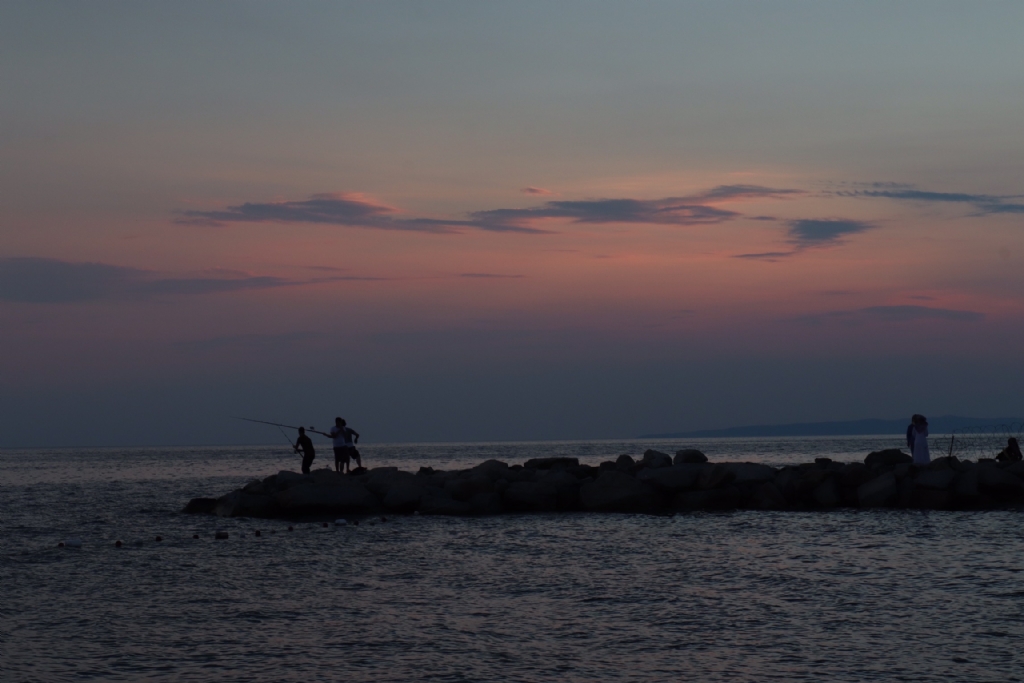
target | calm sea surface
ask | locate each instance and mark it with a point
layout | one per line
(744, 596)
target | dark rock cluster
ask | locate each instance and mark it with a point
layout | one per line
(657, 483)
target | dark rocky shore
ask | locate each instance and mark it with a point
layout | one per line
(655, 484)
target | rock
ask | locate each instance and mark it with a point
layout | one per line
(671, 479)
(528, 496)
(404, 496)
(768, 497)
(493, 469)
(713, 499)
(486, 504)
(256, 486)
(887, 457)
(715, 476)
(997, 481)
(931, 499)
(655, 459)
(823, 462)
(437, 502)
(347, 496)
(425, 471)
(241, 504)
(1016, 469)
(567, 488)
(284, 480)
(878, 492)
(200, 506)
(689, 455)
(625, 462)
(826, 494)
(966, 486)
(751, 472)
(855, 474)
(380, 480)
(936, 479)
(549, 463)
(464, 488)
(616, 492)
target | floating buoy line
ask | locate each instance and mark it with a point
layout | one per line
(221, 535)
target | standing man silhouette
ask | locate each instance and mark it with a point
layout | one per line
(308, 453)
(344, 447)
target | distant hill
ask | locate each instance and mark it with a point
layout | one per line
(936, 425)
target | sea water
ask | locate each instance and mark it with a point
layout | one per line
(736, 596)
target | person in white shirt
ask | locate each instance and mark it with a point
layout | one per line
(344, 448)
(921, 455)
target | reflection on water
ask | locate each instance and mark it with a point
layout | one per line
(848, 596)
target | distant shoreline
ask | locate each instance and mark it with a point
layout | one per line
(944, 424)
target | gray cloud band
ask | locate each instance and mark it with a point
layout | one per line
(353, 211)
(42, 280)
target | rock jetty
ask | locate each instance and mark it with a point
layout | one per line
(656, 484)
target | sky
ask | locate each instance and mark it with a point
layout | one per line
(462, 221)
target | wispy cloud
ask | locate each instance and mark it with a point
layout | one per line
(536, 190)
(898, 314)
(812, 233)
(983, 203)
(817, 232)
(42, 280)
(489, 276)
(359, 211)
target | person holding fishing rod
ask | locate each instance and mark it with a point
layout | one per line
(308, 453)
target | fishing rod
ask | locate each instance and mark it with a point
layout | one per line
(278, 424)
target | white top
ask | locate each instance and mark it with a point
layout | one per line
(338, 437)
(921, 455)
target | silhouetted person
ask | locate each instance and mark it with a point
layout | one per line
(920, 449)
(1011, 453)
(308, 453)
(342, 434)
(910, 432)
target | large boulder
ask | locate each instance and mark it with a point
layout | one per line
(671, 479)
(465, 487)
(768, 497)
(931, 499)
(625, 462)
(242, 504)
(935, 479)
(997, 481)
(404, 496)
(438, 502)
(655, 459)
(689, 455)
(486, 504)
(346, 496)
(493, 469)
(567, 488)
(826, 494)
(715, 476)
(725, 498)
(878, 492)
(965, 488)
(855, 474)
(887, 458)
(549, 463)
(381, 480)
(531, 496)
(200, 506)
(616, 492)
(750, 472)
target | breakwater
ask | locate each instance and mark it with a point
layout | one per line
(656, 483)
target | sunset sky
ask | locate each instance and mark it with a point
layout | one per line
(529, 220)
